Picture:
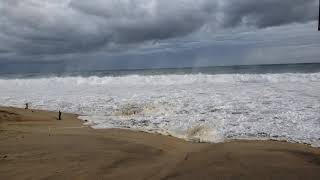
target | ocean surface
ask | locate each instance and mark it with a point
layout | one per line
(212, 104)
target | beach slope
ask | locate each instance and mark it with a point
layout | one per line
(35, 145)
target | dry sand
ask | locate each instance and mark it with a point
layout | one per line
(35, 145)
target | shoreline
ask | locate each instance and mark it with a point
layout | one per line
(195, 140)
(35, 145)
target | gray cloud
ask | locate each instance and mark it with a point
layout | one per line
(266, 13)
(46, 27)
(141, 20)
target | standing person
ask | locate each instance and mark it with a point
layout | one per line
(60, 115)
(27, 106)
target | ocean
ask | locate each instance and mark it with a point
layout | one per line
(209, 104)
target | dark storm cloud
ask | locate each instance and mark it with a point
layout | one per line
(142, 20)
(46, 27)
(55, 27)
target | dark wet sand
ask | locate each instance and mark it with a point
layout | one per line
(35, 145)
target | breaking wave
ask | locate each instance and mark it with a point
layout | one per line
(195, 107)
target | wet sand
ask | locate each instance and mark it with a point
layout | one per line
(35, 145)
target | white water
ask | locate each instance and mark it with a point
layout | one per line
(206, 108)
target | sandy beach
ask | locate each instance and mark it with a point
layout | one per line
(35, 145)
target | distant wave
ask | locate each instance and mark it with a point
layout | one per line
(169, 79)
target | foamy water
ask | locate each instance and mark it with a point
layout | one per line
(204, 108)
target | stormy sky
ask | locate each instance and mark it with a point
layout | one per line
(110, 34)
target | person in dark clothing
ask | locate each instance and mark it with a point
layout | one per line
(60, 115)
(27, 106)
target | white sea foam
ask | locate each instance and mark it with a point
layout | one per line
(206, 108)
